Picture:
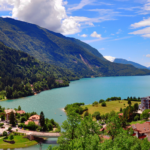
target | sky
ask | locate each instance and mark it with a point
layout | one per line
(116, 28)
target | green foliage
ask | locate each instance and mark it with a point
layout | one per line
(96, 115)
(113, 99)
(76, 107)
(4, 133)
(42, 119)
(134, 98)
(86, 114)
(23, 119)
(101, 100)
(19, 108)
(95, 104)
(12, 119)
(9, 129)
(145, 114)
(1, 124)
(136, 118)
(136, 107)
(11, 137)
(120, 109)
(103, 104)
(59, 50)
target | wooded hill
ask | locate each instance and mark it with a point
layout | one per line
(56, 49)
(18, 70)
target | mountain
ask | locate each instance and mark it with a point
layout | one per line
(56, 49)
(124, 61)
(19, 70)
(149, 68)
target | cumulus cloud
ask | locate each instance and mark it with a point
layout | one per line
(50, 14)
(148, 55)
(84, 35)
(110, 58)
(95, 34)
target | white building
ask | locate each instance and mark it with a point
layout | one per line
(145, 103)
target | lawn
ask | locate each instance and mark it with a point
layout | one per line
(20, 142)
(111, 105)
(139, 121)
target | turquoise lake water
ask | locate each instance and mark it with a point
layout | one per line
(86, 90)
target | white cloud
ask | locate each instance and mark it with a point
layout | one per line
(50, 14)
(110, 58)
(95, 34)
(148, 55)
(142, 32)
(143, 23)
(84, 35)
(81, 4)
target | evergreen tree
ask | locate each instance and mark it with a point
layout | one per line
(12, 118)
(42, 119)
(19, 107)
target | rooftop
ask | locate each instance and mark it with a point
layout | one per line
(7, 111)
(141, 128)
(34, 117)
(146, 98)
(21, 112)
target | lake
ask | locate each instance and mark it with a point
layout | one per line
(86, 90)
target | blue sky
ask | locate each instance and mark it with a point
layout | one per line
(117, 28)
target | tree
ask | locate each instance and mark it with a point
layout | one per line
(5, 133)
(101, 100)
(136, 106)
(19, 108)
(11, 137)
(95, 104)
(129, 102)
(2, 117)
(103, 104)
(120, 109)
(86, 113)
(114, 126)
(69, 132)
(96, 115)
(12, 118)
(42, 119)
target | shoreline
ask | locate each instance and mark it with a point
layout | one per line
(63, 109)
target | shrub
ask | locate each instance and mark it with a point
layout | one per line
(96, 115)
(4, 133)
(95, 104)
(86, 114)
(136, 118)
(120, 109)
(1, 124)
(101, 100)
(23, 119)
(11, 137)
(9, 129)
(103, 104)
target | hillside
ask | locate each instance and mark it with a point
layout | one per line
(19, 70)
(124, 61)
(56, 49)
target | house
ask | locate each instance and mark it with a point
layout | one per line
(35, 119)
(21, 112)
(145, 103)
(7, 113)
(141, 131)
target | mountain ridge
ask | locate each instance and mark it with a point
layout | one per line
(56, 49)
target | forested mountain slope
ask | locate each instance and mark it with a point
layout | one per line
(56, 49)
(17, 69)
(123, 61)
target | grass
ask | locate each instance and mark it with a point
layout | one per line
(111, 105)
(20, 142)
(139, 121)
